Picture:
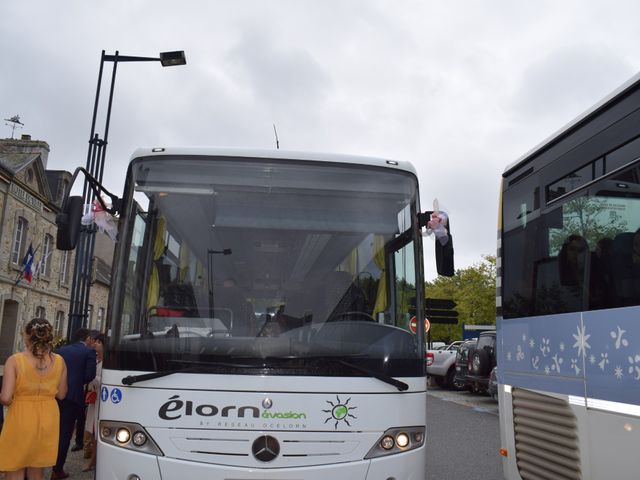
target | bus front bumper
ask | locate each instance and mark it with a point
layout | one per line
(119, 464)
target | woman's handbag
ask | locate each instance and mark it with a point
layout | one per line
(90, 397)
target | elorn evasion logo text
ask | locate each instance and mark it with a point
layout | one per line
(176, 408)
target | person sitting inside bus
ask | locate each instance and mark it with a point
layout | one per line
(601, 284)
(243, 321)
(572, 260)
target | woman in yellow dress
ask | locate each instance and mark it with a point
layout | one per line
(33, 379)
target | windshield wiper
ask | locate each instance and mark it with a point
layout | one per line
(131, 379)
(400, 385)
(193, 367)
(201, 367)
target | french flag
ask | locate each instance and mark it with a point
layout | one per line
(27, 264)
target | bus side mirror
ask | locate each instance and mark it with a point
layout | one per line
(444, 253)
(444, 258)
(68, 222)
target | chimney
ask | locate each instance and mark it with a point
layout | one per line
(26, 145)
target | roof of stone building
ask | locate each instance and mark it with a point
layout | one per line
(54, 179)
(14, 162)
(103, 271)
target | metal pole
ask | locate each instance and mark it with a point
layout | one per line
(210, 280)
(81, 287)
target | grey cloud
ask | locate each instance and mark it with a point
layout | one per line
(568, 81)
(282, 76)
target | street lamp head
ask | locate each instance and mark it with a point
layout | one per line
(169, 59)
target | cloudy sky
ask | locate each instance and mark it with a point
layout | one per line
(459, 88)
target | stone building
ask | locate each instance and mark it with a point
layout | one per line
(30, 198)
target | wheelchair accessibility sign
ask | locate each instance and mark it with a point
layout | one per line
(115, 396)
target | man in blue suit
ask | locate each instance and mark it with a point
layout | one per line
(80, 358)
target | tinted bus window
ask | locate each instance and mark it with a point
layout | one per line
(623, 155)
(581, 254)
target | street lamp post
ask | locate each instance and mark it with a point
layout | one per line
(81, 285)
(211, 253)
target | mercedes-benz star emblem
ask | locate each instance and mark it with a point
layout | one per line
(265, 448)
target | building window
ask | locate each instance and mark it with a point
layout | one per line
(40, 313)
(65, 267)
(100, 319)
(45, 261)
(90, 316)
(19, 240)
(58, 326)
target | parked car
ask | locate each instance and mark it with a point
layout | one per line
(441, 364)
(460, 381)
(482, 359)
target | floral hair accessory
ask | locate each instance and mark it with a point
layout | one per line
(437, 224)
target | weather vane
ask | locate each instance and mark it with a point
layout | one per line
(13, 123)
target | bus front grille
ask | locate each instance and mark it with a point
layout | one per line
(546, 437)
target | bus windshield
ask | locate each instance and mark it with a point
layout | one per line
(249, 263)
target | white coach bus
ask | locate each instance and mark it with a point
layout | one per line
(260, 319)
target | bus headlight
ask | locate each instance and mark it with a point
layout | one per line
(119, 434)
(139, 439)
(397, 440)
(387, 442)
(402, 440)
(123, 435)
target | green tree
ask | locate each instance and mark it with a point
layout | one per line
(474, 291)
(584, 216)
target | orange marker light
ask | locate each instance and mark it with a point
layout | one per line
(503, 452)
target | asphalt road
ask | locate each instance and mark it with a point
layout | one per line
(463, 437)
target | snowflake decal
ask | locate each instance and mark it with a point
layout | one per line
(556, 363)
(519, 354)
(532, 343)
(592, 359)
(634, 366)
(508, 356)
(617, 336)
(604, 361)
(547, 370)
(544, 347)
(581, 338)
(562, 346)
(574, 366)
(535, 362)
(618, 372)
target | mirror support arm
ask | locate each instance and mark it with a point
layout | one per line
(444, 253)
(97, 188)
